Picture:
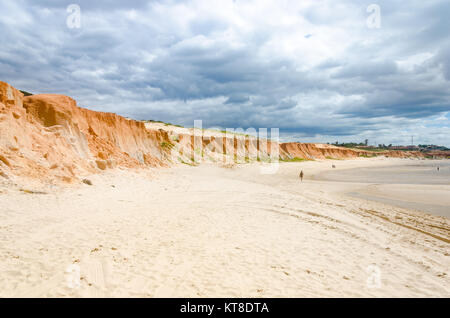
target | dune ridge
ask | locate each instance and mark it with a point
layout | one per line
(49, 137)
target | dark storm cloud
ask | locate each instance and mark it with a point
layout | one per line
(367, 70)
(311, 69)
(443, 60)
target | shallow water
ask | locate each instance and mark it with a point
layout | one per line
(411, 172)
(415, 172)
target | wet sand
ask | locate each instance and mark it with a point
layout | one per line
(416, 185)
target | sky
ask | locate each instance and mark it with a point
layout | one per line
(319, 70)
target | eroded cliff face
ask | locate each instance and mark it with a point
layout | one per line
(320, 151)
(49, 137)
(402, 154)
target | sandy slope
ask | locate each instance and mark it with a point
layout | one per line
(211, 231)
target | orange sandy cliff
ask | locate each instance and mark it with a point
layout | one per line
(319, 151)
(49, 137)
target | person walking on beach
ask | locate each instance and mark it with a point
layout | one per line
(301, 175)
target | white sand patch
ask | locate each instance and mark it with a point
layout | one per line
(210, 232)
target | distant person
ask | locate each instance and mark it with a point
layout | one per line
(437, 168)
(301, 175)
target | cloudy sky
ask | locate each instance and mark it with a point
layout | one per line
(320, 71)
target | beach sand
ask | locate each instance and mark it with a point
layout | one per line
(211, 231)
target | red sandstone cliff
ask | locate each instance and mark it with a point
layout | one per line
(319, 151)
(51, 138)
